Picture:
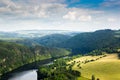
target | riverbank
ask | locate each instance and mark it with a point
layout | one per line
(25, 67)
(29, 66)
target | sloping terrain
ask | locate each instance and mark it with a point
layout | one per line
(106, 68)
(14, 55)
(89, 41)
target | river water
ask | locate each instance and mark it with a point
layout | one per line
(25, 75)
(28, 74)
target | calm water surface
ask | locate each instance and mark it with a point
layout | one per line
(30, 74)
(25, 75)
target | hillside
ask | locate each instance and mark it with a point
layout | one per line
(52, 40)
(14, 55)
(49, 38)
(51, 52)
(89, 41)
(105, 68)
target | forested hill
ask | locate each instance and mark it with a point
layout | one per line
(49, 40)
(14, 55)
(89, 41)
(52, 40)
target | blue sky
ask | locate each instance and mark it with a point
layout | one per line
(84, 3)
(76, 15)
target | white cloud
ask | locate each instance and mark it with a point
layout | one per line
(80, 14)
(42, 14)
(46, 12)
(111, 19)
(43, 9)
(4, 9)
(70, 15)
(76, 16)
(34, 8)
(85, 18)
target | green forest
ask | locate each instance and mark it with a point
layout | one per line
(14, 55)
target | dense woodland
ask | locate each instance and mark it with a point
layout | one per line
(59, 70)
(87, 42)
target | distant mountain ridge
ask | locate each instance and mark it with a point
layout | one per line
(41, 33)
(78, 42)
(35, 33)
(87, 42)
(52, 40)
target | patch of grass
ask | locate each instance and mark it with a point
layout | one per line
(106, 68)
(82, 78)
(82, 59)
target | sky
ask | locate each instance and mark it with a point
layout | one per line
(73, 15)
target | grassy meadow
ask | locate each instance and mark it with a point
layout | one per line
(102, 67)
(82, 78)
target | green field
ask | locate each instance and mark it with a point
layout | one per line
(82, 78)
(106, 68)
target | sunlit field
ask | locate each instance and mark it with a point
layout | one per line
(106, 68)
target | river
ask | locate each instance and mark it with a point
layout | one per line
(25, 75)
(28, 71)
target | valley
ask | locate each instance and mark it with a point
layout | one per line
(86, 56)
(59, 40)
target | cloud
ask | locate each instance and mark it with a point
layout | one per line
(111, 19)
(7, 3)
(42, 9)
(11, 8)
(60, 14)
(75, 16)
(4, 9)
(48, 9)
(85, 18)
(80, 14)
(70, 15)
(33, 8)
